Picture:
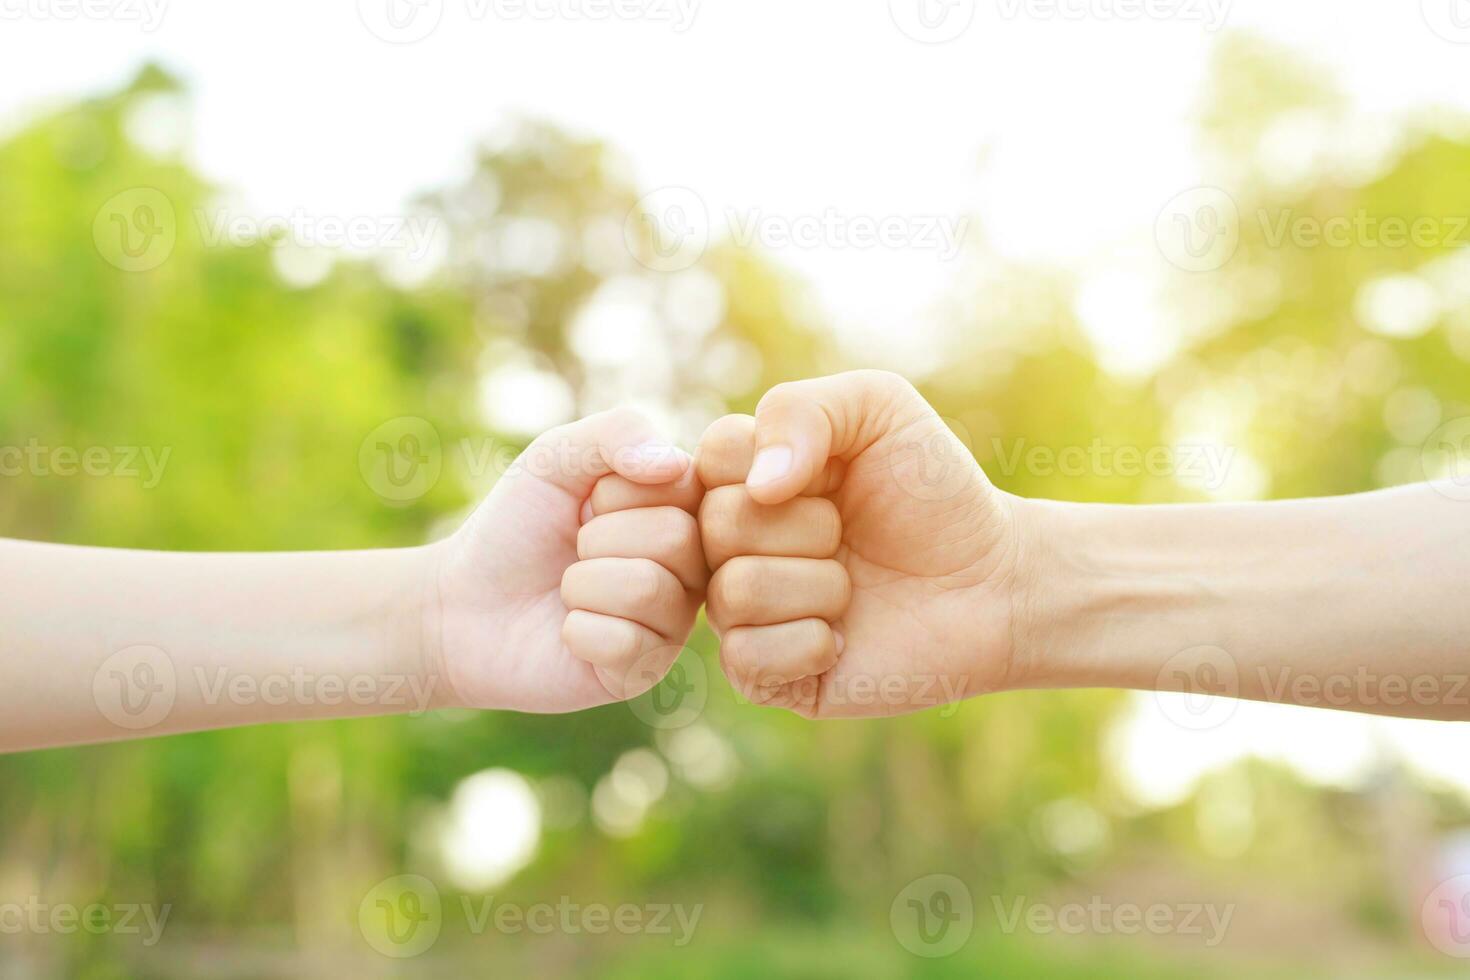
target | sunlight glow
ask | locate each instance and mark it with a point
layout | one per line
(493, 829)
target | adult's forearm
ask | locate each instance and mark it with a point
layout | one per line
(101, 644)
(1359, 602)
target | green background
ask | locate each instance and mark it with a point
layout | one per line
(264, 841)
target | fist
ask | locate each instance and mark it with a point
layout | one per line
(636, 587)
(778, 587)
(863, 563)
(576, 582)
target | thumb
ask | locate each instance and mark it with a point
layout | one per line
(799, 425)
(622, 441)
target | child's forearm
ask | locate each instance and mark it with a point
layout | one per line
(105, 644)
(1353, 602)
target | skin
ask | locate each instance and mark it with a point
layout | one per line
(857, 561)
(574, 584)
(578, 580)
(877, 490)
(958, 589)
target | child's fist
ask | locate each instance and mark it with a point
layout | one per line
(638, 582)
(576, 582)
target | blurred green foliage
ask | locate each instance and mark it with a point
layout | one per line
(264, 840)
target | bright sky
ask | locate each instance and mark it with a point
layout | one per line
(1063, 125)
(1065, 133)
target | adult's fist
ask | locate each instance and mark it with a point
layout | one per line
(863, 563)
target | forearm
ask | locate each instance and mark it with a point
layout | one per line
(1353, 602)
(99, 644)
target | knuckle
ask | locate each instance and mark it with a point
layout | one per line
(734, 646)
(739, 585)
(571, 580)
(813, 647)
(623, 641)
(691, 491)
(764, 690)
(805, 695)
(841, 584)
(586, 537)
(571, 630)
(728, 434)
(827, 524)
(680, 531)
(554, 435)
(605, 494)
(725, 450)
(779, 394)
(716, 610)
(719, 517)
(645, 582)
(883, 382)
(736, 652)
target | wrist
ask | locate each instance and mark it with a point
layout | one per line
(422, 617)
(1072, 600)
(1002, 624)
(1034, 609)
(1107, 595)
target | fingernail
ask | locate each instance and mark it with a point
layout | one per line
(771, 464)
(586, 511)
(837, 641)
